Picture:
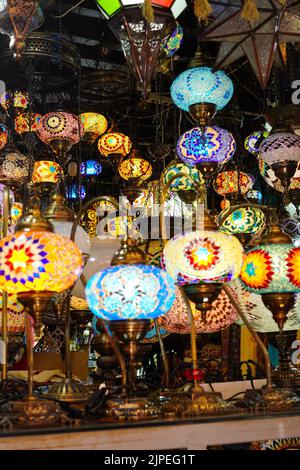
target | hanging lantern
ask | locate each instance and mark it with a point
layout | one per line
(60, 131)
(3, 136)
(183, 184)
(254, 196)
(221, 315)
(114, 144)
(27, 122)
(15, 99)
(228, 183)
(122, 227)
(279, 158)
(94, 125)
(90, 168)
(74, 193)
(244, 222)
(252, 142)
(92, 217)
(15, 168)
(130, 292)
(172, 43)
(209, 145)
(135, 169)
(17, 19)
(46, 171)
(141, 35)
(202, 92)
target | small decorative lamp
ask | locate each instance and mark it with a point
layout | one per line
(46, 171)
(172, 43)
(252, 142)
(272, 270)
(27, 122)
(74, 193)
(17, 19)
(92, 216)
(289, 222)
(114, 145)
(3, 135)
(202, 92)
(60, 131)
(221, 315)
(228, 184)
(243, 222)
(255, 196)
(279, 159)
(135, 169)
(90, 168)
(15, 99)
(183, 185)
(206, 148)
(94, 125)
(15, 168)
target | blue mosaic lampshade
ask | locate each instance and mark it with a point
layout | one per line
(73, 192)
(202, 85)
(255, 195)
(130, 292)
(211, 144)
(90, 168)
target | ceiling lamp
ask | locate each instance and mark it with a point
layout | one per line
(46, 171)
(202, 92)
(114, 145)
(172, 43)
(243, 222)
(90, 168)
(221, 315)
(61, 131)
(135, 170)
(3, 135)
(272, 270)
(15, 168)
(141, 34)
(27, 122)
(279, 157)
(230, 183)
(17, 19)
(211, 145)
(253, 141)
(94, 125)
(182, 184)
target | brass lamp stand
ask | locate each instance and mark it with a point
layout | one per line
(6, 208)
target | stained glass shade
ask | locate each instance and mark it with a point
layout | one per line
(114, 143)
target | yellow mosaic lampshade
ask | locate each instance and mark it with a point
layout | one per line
(27, 122)
(94, 125)
(15, 315)
(114, 143)
(16, 212)
(38, 261)
(135, 168)
(46, 171)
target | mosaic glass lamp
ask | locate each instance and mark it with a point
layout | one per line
(74, 193)
(15, 315)
(243, 222)
(252, 142)
(221, 315)
(208, 145)
(16, 212)
(27, 122)
(15, 168)
(172, 43)
(202, 92)
(135, 169)
(46, 171)
(289, 222)
(279, 160)
(94, 125)
(228, 184)
(3, 135)
(130, 292)
(182, 185)
(60, 130)
(114, 144)
(15, 99)
(255, 196)
(90, 168)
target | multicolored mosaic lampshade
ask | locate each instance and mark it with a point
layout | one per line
(27, 122)
(16, 212)
(250, 220)
(251, 142)
(60, 129)
(129, 292)
(16, 99)
(202, 85)
(272, 268)
(94, 125)
(227, 182)
(90, 168)
(114, 143)
(211, 144)
(203, 256)
(38, 261)
(15, 167)
(122, 227)
(289, 222)
(254, 195)
(172, 43)
(16, 320)
(74, 193)
(46, 171)
(181, 183)
(93, 216)
(135, 168)
(3, 135)
(111, 7)
(221, 315)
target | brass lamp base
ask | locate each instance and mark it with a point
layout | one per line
(35, 304)
(203, 295)
(280, 303)
(69, 391)
(131, 409)
(188, 197)
(208, 170)
(35, 412)
(60, 147)
(280, 398)
(130, 332)
(285, 375)
(203, 113)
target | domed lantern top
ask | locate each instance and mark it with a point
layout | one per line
(211, 144)
(114, 143)
(125, 292)
(60, 131)
(202, 85)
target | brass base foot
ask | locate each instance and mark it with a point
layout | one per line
(131, 409)
(273, 399)
(287, 377)
(68, 390)
(35, 412)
